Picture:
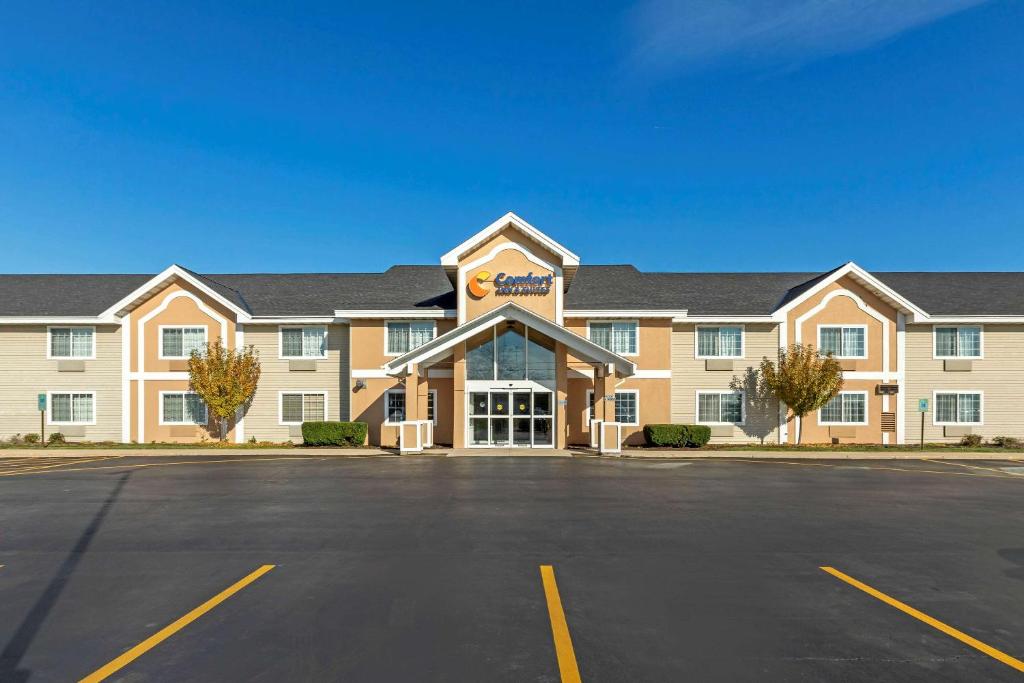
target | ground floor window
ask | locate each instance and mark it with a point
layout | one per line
(963, 407)
(182, 408)
(849, 407)
(73, 407)
(394, 406)
(303, 406)
(627, 406)
(720, 407)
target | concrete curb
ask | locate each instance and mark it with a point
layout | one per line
(822, 455)
(193, 452)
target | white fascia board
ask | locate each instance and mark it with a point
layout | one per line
(851, 268)
(623, 313)
(968, 319)
(174, 270)
(395, 313)
(726, 319)
(304, 320)
(57, 320)
(569, 259)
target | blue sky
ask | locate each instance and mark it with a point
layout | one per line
(698, 135)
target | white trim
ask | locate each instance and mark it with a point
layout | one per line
(783, 409)
(867, 414)
(858, 273)
(743, 342)
(867, 374)
(160, 407)
(946, 320)
(49, 407)
(126, 380)
(935, 408)
(935, 341)
(451, 259)
(172, 271)
(636, 324)
(720, 392)
(240, 413)
(390, 354)
(160, 339)
(280, 342)
(372, 373)
(629, 314)
(49, 342)
(158, 375)
(845, 326)
(901, 369)
(441, 373)
(651, 374)
(57, 320)
(862, 306)
(530, 256)
(402, 313)
(727, 319)
(304, 393)
(590, 398)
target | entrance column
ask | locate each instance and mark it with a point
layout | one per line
(600, 391)
(561, 395)
(459, 393)
(412, 393)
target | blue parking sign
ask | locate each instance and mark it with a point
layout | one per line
(42, 403)
(922, 405)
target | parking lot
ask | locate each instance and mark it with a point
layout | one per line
(241, 568)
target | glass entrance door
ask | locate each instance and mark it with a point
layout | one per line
(509, 417)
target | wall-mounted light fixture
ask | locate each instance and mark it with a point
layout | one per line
(360, 384)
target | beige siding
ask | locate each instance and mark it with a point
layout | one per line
(999, 375)
(25, 372)
(331, 375)
(689, 375)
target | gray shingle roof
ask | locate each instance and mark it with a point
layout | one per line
(614, 287)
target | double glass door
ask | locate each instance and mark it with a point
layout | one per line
(511, 417)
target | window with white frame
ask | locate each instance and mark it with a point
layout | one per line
(720, 342)
(303, 406)
(394, 406)
(847, 408)
(627, 406)
(619, 336)
(720, 407)
(72, 407)
(72, 342)
(304, 342)
(957, 407)
(403, 337)
(961, 341)
(843, 341)
(182, 408)
(181, 341)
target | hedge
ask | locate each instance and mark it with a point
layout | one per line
(676, 436)
(333, 433)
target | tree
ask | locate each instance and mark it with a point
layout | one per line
(802, 378)
(224, 378)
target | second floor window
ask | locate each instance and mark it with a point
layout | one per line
(404, 337)
(842, 341)
(958, 342)
(303, 342)
(180, 342)
(720, 342)
(71, 342)
(617, 337)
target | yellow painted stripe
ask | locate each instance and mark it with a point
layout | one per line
(974, 467)
(559, 629)
(166, 464)
(934, 623)
(166, 632)
(41, 468)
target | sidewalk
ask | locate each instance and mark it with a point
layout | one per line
(881, 454)
(191, 452)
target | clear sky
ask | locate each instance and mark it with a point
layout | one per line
(691, 135)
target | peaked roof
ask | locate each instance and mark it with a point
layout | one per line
(569, 259)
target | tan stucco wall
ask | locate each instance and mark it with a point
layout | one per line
(511, 262)
(870, 433)
(654, 342)
(262, 420)
(180, 433)
(999, 376)
(689, 374)
(25, 372)
(369, 341)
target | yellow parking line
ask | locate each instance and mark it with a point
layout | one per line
(162, 464)
(974, 467)
(39, 469)
(166, 632)
(934, 623)
(950, 473)
(559, 628)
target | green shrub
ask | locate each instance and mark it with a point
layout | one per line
(333, 433)
(676, 436)
(31, 439)
(971, 440)
(56, 437)
(1006, 441)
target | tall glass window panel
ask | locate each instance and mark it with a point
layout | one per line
(499, 403)
(511, 352)
(478, 403)
(478, 431)
(540, 358)
(542, 432)
(480, 356)
(521, 431)
(542, 403)
(521, 403)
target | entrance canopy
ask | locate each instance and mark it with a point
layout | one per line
(441, 347)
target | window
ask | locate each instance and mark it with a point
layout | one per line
(843, 341)
(72, 342)
(304, 342)
(958, 342)
(720, 407)
(849, 407)
(720, 342)
(957, 407)
(70, 408)
(298, 407)
(180, 342)
(394, 406)
(182, 408)
(627, 406)
(404, 337)
(618, 337)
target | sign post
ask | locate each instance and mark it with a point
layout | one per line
(42, 419)
(922, 407)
